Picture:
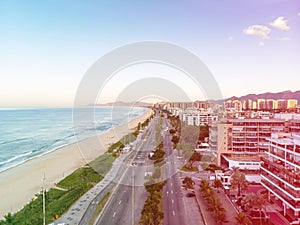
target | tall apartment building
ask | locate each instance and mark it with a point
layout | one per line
(270, 104)
(291, 103)
(294, 126)
(241, 141)
(261, 104)
(280, 173)
(213, 137)
(281, 104)
(234, 105)
(197, 117)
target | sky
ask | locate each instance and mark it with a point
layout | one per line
(46, 47)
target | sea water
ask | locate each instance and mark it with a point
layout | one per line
(28, 133)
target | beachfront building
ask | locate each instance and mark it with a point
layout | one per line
(291, 103)
(280, 173)
(294, 126)
(197, 117)
(241, 141)
(233, 105)
(287, 116)
(260, 104)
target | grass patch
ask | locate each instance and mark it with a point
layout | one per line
(103, 163)
(59, 201)
(189, 169)
(80, 177)
(213, 168)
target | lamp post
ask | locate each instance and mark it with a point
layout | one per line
(44, 204)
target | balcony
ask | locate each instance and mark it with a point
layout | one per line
(238, 140)
(278, 192)
(295, 194)
(279, 154)
(288, 175)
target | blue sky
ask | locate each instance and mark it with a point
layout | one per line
(47, 46)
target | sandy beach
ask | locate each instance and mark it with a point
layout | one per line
(19, 184)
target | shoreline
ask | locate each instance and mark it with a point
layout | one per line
(20, 183)
(65, 144)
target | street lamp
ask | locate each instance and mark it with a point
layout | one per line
(44, 204)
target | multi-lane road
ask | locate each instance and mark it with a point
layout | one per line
(173, 207)
(128, 178)
(128, 198)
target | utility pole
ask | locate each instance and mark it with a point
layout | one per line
(132, 197)
(44, 204)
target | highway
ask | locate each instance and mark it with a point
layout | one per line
(173, 206)
(125, 205)
(128, 198)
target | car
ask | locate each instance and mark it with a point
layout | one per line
(190, 195)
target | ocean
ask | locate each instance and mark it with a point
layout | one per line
(28, 133)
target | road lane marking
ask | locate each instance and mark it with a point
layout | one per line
(172, 201)
(120, 202)
(171, 191)
(114, 214)
(173, 213)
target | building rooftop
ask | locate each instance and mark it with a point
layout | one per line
(285, 138)
(255, 120)
(243, 158)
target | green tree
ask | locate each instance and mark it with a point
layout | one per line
(172, 131)
(260, 204)
(204, 185)
(213, 203)
(204, 132)
(220, 216)
(188, 182)
(218, 184)
(248, 202)
(175, 139)
(243, 219)
(238, 181)
(139, 126)
(196, 156)
(8, 218)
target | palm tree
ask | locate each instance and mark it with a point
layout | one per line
(259, 204)
(218, 184)
(248, 202)
(188, 182)
(243, 219)
(221, 216)
(204, 184)
(239, 181)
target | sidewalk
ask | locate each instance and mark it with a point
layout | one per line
(192, 210)
(207, 217)
(227, 205)
(77, 210)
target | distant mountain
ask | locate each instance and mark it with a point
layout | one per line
(268, 95)
(120, 103)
